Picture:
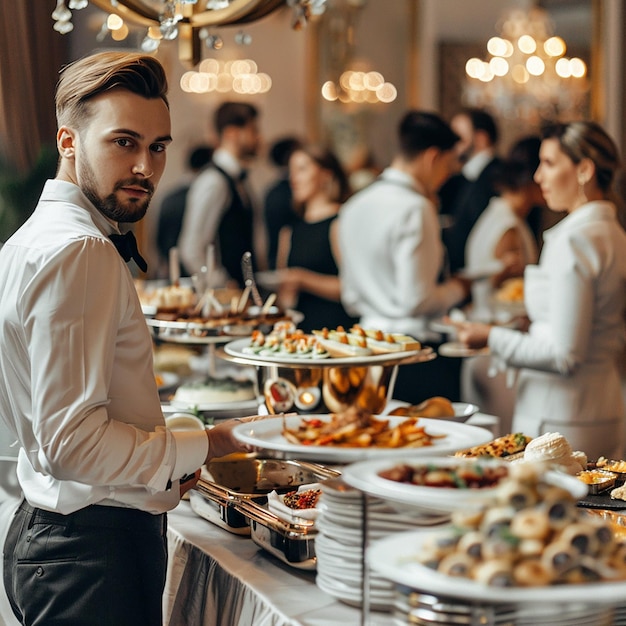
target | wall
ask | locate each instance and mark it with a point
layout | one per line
(405, 52)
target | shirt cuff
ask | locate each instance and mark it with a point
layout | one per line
(192, 448)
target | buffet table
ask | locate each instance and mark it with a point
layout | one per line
(216, 578)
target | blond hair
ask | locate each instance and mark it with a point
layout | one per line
(90, 76)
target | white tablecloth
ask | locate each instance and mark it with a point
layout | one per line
(216, 578)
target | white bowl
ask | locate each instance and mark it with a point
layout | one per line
(184, 421)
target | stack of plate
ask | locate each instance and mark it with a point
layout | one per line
(347, 521)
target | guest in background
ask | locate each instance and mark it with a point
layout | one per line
(219, 207)
(575, 298)
(308, 254)
(362, 168)
(465, 195)
(501, 235)
(392, 254)
(278, 209)
(173, 207)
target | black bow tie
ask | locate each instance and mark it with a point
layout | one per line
(126, 245)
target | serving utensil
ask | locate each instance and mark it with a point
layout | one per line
(249, 280)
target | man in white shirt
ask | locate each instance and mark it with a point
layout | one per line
(219, 210)
(465, 196)
(392, 254)
(97, 466)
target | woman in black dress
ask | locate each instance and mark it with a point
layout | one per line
(308, 254)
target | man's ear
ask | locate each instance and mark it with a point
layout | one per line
(430, 156)
(66, 142)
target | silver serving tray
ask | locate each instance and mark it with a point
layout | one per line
(240, 508)
(229, 485)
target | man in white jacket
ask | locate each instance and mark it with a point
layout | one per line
(392, 256)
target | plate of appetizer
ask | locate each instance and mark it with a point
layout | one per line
(357, 435)
(289, 346)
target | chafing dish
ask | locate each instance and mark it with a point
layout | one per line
(227, 485)
(232, 493)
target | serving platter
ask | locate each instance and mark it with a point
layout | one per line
(267, 434)
(456, 349)
(166, 380)
(216, 331)
(463, 411)
(238, 405)
(480, 272)
(395, 558)
(365, 477)
(237, 350)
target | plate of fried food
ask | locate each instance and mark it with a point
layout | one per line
(356, 435)
(438, 407)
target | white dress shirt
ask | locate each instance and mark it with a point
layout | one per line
(208, 198)
(575, 298)
(480, 249)
(391, 258)
(477, 163)
(77, 386)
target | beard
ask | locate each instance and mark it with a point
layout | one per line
(110, 206)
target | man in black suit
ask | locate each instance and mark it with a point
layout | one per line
(173, 207)
(465, 195)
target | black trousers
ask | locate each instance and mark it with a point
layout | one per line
(99, 566)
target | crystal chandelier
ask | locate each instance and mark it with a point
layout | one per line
(351, 80)
(527, 75)
(186, 20)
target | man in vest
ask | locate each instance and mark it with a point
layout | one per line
(218, 211)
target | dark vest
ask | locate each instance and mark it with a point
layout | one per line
(234, 233)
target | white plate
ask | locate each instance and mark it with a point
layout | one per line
(462, 411)
(457, 349)
(267, 435)
(240, 405)
(169, 379)
(483, 271)
(365, 477)
(440, 325)
(237, 349)
(387, 523)
(352, 595)
(269, 279)
(329, 545)
(395, 558)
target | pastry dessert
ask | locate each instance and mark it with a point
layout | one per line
(539, 539)
(556, 450)
(171, 298)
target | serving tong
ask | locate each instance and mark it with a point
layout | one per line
(249, 280)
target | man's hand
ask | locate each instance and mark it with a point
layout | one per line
(221, 440)
(473, 334)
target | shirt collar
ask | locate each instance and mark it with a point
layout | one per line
(399, 177)
(224, 159)
(599, 210)
(61, 190)
(472, 169)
